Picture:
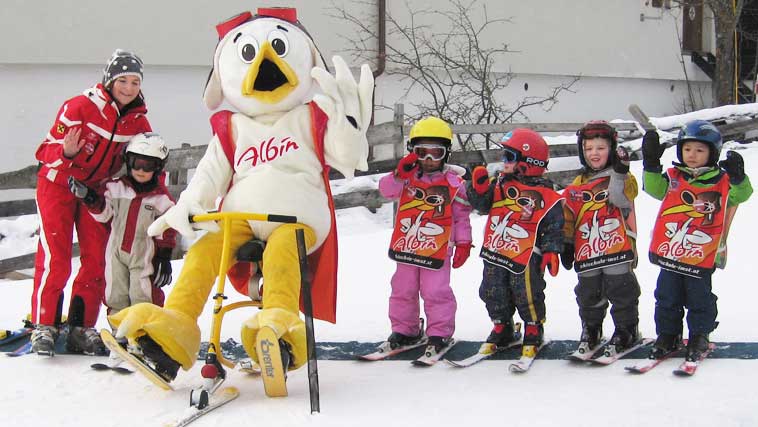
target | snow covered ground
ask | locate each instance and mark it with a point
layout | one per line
(64, 391)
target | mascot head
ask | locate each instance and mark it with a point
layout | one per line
(262, 63)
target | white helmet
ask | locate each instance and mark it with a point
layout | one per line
(148, 144)
(146, 151)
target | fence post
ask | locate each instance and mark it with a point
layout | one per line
(399, 147)
(181, 174)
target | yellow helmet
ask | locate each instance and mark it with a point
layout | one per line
(432, 127)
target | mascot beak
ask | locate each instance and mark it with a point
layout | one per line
(509, 203)
(269, 79)
(686, 209)
(416, 204)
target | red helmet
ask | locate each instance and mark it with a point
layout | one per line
(528, 149)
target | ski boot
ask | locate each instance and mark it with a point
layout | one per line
(397, 340)
(85, 340)
(436, 347)
(157, 359)
(43, 340)
(622, 339)
(533, 336)
(664, 345)
(591, 335)
(438, 344)
(502, 334)
(696, 346)
(589, 342)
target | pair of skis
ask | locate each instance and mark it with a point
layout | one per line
(609, 352)
(8, 338)
(687, 368)
(221, 398)
(429, 358)
(487, 350)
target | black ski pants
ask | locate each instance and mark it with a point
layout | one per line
(616, 286)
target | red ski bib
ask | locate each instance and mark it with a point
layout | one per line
(600, 236)
(511, 229)
(424, 223)
(687, 233)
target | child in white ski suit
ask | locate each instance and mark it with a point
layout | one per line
(137, 266)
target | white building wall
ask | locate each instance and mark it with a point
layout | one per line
(52, 50)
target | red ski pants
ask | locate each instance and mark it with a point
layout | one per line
(59, 212)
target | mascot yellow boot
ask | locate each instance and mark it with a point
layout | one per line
(293, 119)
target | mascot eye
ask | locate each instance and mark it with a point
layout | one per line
(511, 192)
(687, 197)
(247, 48)
(279, 42)
(435, 200)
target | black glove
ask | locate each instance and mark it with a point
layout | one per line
(81, 191)
(161, 267)
(734, 167)
(567, 256)
(621, 161)
(651, 151)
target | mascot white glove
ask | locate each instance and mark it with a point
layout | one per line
(178, 218)
(348, 105)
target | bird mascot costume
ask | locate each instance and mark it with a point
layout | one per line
(293, 119)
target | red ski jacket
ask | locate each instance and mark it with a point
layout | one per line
(105, 130)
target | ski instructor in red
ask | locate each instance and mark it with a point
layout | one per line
(85, 143)
(293, 118)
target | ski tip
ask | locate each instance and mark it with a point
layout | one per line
(515, 369)
(230, 391)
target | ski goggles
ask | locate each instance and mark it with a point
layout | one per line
(147, 164)
(597, 131)
(511, 156)
(430, 151)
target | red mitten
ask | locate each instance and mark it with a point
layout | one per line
(480, 180)
(406, 166)
(550, 259)
(462, 251)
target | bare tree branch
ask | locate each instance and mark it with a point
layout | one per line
(454, 70)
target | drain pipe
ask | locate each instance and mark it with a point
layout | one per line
(381, 56)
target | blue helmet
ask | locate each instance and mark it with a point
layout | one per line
(701, 131)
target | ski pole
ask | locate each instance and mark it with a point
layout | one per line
(305, 290)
